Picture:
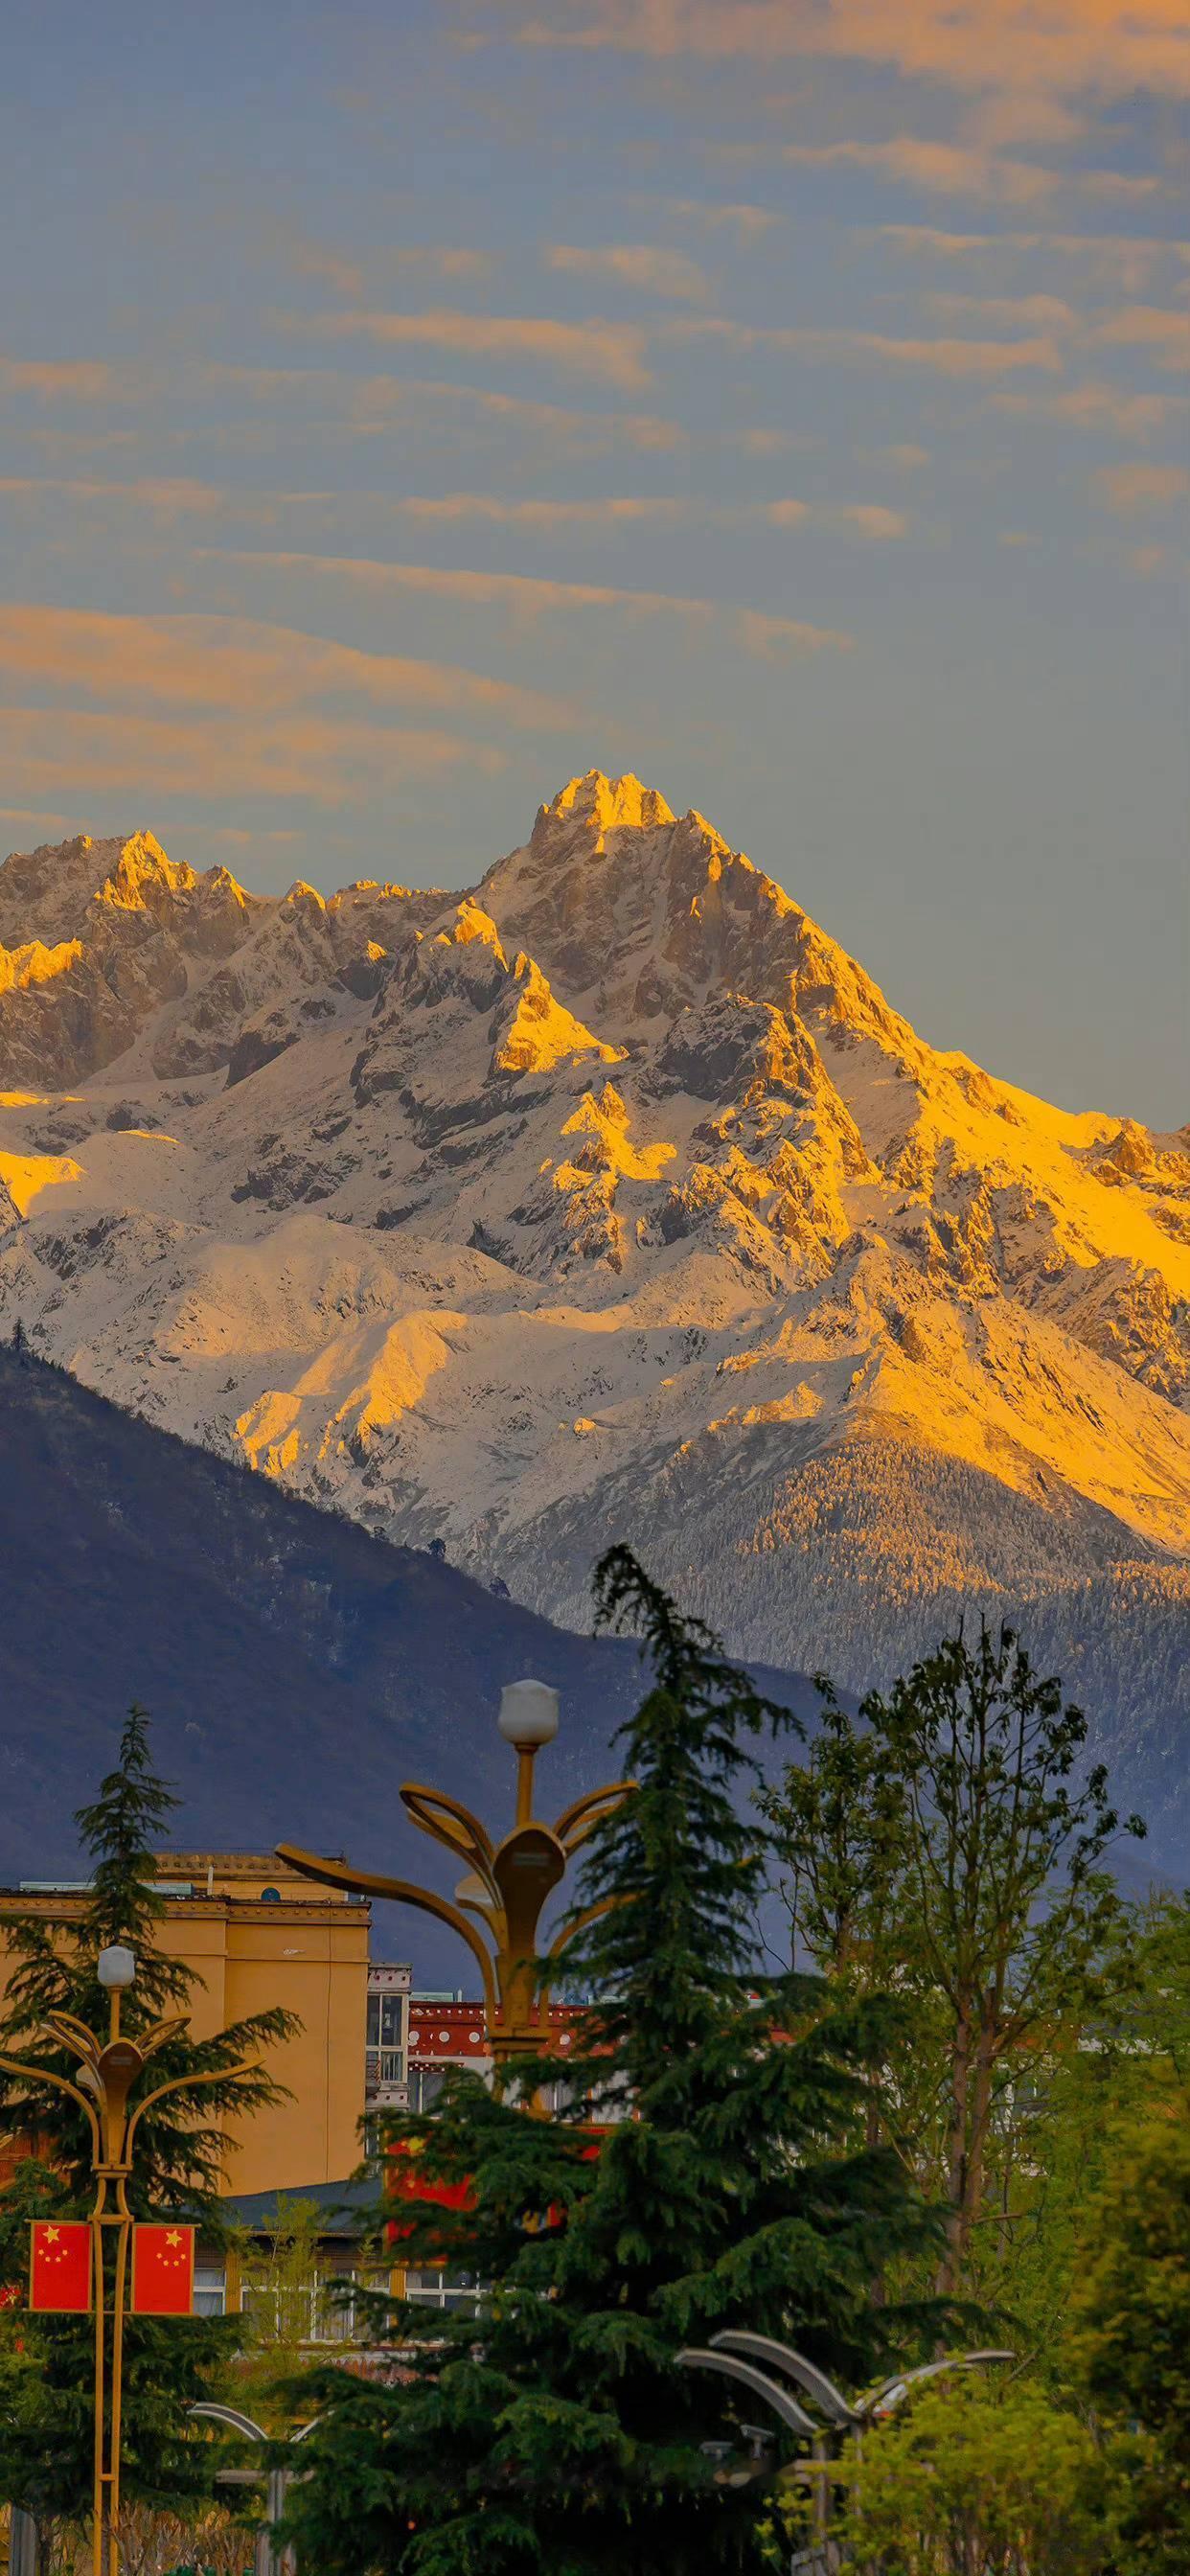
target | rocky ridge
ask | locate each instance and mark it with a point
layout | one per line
(607, 1197)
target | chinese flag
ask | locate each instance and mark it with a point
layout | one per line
(162, 2271)
(60, 2265)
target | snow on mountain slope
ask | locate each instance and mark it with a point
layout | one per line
(608, 1198)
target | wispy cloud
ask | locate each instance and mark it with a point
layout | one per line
(236, 663)
(944, 357)
(348, 276)
(527, 597)
(1102, 47)
(75, 379)
(547, 517)
(1124, 260)
(362, 406)
(322, 760)
(650, 268)
(1140, 486)
(970, 169)
(163, 498)
(938, 169)
(1107, 408)
(611, 352)
(1146, 326)
(749, 223)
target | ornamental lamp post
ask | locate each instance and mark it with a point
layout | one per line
(105, 2073)
(507, 1883)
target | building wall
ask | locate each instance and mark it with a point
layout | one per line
(303, 1947)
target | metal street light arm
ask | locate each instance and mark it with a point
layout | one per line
(579, 1820)
(179, 2084)
(44, 2075)
(367, 1882)
(792, 2365)
(783, 2405)
(891, 2391)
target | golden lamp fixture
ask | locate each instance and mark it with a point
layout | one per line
(499, 1903)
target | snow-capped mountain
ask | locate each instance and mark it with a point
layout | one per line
(607, 1198)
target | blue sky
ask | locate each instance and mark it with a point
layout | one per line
(406, 407)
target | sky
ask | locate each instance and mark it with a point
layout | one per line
(408, 405)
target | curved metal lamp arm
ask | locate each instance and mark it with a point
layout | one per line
(179, 2084)
(792, 2365)
(70, 2032)
(578, 1923)
(579, 1820)
(216, 2413)
(893, 2390)
(474, 1840)
(366, 1882)
(754, 2380)
(42, 2075)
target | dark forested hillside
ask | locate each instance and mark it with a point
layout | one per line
(296, 1669)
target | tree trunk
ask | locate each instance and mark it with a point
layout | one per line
(946, 2281)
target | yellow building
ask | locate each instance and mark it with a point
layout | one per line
(257, 1935)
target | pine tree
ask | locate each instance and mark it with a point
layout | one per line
(555, 2428)
(46, 2363)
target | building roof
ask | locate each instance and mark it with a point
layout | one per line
(345, 2206)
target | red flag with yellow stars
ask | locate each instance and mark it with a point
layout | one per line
(162, 2270)
(60, 2265)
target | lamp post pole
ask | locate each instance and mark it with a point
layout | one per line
(507, 1883)
(106, 2072)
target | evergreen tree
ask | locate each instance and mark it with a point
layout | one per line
(552, 2427)
(46, 2362)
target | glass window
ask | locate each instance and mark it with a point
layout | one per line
(210, 2290)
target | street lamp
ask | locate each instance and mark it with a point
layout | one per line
(760, 2364)
(105, 2074)
(507, 1884)
(270, 2561)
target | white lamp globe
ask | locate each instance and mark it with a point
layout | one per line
(528, 1714)
(117, 1966)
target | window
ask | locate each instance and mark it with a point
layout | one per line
(385, 2021)
(210, 2290)
(440, 2287)
(425, 2085)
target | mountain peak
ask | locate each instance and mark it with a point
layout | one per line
(610, 804)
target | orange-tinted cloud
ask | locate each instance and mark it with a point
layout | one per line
(1110, 47)
(612, 352)
(944, 357)
(239, 664)
(938, 169)
(527, 597)
(1125, 260)
(1147, 326)
(1140, 486)
(75, 379)
(651, 269)
(325, 759)
(1107, 408)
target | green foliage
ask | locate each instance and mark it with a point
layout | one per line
(554, 2429)
(942, 1843)
(277, 2274)
(974, 2481)
(1130, 2342)
(47, 2362)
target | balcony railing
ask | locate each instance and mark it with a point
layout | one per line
(383, 2066)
